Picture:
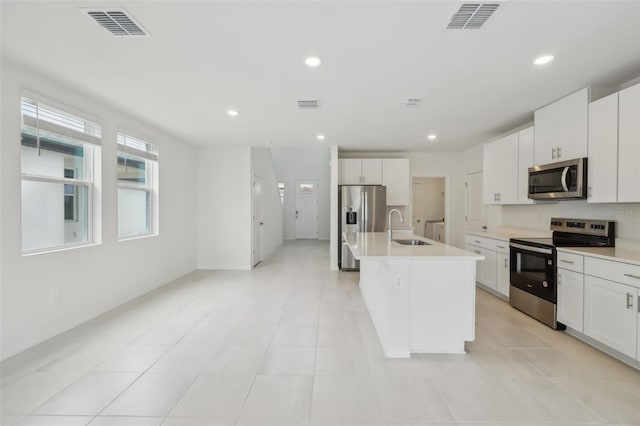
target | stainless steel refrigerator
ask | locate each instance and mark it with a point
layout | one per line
(362, 208)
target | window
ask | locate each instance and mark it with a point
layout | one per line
(137, 187)
(58, 162)
(281, 192)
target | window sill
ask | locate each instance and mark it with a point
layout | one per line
(57, 249)
(138, 237)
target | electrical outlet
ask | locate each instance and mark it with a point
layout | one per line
(54, 296)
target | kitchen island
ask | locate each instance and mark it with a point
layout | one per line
(421, 298)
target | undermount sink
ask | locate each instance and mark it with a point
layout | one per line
(412, 242)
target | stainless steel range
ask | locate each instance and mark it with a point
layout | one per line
(533, 274)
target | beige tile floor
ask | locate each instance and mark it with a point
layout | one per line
(291, 343)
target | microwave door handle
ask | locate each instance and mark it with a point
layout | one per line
(563, 180)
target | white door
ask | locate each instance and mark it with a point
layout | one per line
(306, 210)
(474, 214)
(256, 201)
(416, 209)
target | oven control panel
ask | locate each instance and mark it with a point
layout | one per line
(601, 228)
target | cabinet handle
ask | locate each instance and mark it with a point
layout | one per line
(566, 261)
(499, 197)
(632, 276)
(559, 152)
(553, 153)
(589, 191)
(505, 263)
(500, 246)
(629, 300)
(480, 242)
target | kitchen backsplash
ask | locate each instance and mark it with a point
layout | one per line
(538, 216)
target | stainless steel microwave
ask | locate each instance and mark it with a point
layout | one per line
(564, 180)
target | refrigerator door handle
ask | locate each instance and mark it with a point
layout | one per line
(366, 209)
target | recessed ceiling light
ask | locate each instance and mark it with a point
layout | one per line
(320, 137)
(232, 112)
(312, 61)
(432, 137)
(543, 60)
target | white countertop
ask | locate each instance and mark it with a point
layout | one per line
(608, 253)
(504, 234)
(376, 245)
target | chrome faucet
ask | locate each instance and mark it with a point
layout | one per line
(391, 229)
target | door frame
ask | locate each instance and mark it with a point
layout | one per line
(255, 179)
(295, 208)
(447, 197)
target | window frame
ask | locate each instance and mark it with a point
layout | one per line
(90, 143)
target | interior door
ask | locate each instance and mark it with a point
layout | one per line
(416, 209)
(306, 214)
(256, 201)
(474, 209)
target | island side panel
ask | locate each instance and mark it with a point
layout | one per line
(384, 287)
(441, 305)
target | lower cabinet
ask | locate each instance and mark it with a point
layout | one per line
(610, 314)
(487, 275)
(502, 266)
(570, 299)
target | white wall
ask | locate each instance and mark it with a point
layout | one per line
(293, 164)
(272, 209)
(95, 279)
(224, 208)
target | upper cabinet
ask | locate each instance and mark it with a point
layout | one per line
(393, 173)
(603, 150)
(397, 178)
(629, 145)
(366, 171)
(561, 129)
(500, 171)
(614, 148)
(525, 160)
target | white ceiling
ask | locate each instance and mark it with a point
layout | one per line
(204, 57)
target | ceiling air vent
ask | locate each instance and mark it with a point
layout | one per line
(309, 104)
(471, 16)
(117, 22)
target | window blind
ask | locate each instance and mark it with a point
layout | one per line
(137, 147)
(38, 117)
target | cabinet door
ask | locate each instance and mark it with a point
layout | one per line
(629, 145)
(351, 169)
(508, 175)
(396, 177)
(487, 274)
(574, 125)
(571, 298)
(502, 267)
(525, 160)
(490, 172)
(547, 125)
(603, 150)
(474, 249)
(610, 315)
(372, 171)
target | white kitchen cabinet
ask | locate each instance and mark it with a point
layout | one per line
(500, 171)
(570, 298)
(488, 272)
(603, 150)
(628, 145)
(610, 314)
(397, 178)
(356, 171)
(561, 129)
(502, 267)
(525, 160)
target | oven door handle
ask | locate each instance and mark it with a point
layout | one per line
(529, 248)
(563, 180)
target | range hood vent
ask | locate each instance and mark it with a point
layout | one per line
(116, 21)
(309, 104)
(472, 16)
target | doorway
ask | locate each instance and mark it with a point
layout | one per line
(256, 221)
(428, 207)
(306, 215)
